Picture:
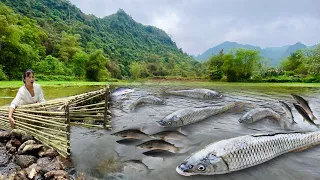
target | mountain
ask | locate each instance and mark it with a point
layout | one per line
(273, 54)
(226, 46)
(293, 48)
(122, 39)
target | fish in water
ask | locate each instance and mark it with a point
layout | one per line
(121, 91)
(160, 153)
(131, 134)
(197, 93)
(138, 165)
(304, 114)
(159, 145)
(286, 108)
(258, 114)
(191, 115)
(129, 141)
(146, 100)
(170, 135)
(305, 105)
(241, 152)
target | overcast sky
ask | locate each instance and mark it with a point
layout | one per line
(196, 25)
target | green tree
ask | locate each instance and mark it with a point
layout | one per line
(135, 70)
(96, 67)
(80, 59)
(69, 46)
(295, 62)
(240, 65)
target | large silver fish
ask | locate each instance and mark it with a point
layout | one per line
(286, 108)
(238, 153)
(146, 100)
(197, 93)
(305, 105)
(191, 115)
(258, 114)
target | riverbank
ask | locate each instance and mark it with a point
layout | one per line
(22, 157)
(15, 84)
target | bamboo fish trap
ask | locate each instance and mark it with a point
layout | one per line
(50, 121)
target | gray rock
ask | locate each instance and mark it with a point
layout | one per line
(10, 148)
(26, 138)
(57, 174)
(48, 164)
(25, 160)
(9, 169)
(24, 144)
(4, 136)
(30, 149)
(20, 175)
(18, 133)
(48, 153)
(4, 157)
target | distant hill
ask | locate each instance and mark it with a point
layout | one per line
(293, 48)
(226, 46)
(273, 54)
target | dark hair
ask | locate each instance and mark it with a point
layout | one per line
(26, 73)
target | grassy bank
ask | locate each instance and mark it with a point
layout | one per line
(15, 84)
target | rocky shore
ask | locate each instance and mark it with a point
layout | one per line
(23, 158)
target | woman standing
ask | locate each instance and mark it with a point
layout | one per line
(27, 94)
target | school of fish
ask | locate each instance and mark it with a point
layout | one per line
(226, 155)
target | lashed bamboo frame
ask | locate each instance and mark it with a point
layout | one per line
(49, 122)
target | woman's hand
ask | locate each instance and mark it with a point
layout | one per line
(11, 122)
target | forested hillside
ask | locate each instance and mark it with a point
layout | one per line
(55, 38)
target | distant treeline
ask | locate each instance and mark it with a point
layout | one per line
(59, 42)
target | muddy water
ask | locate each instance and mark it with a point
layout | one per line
(97, 154)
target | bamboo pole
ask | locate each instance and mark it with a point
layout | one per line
(39, 120)
(86, 106)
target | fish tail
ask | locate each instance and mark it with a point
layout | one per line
(177, 149)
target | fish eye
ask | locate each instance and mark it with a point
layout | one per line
(169, 123)
(201, 167)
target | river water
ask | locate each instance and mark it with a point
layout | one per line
(97, 155)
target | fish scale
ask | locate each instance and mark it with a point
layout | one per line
(268, 148)
(247, 151)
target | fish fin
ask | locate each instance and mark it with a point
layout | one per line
(177, 149)
(302, 149)
(140, 129)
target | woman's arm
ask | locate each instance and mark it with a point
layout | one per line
(11, 118)
(13, 106)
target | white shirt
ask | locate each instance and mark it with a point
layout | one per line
(24, 97)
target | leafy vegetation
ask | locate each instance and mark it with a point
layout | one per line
(60, 42)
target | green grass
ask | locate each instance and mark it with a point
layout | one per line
(15, 84)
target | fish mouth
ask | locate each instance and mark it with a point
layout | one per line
(182, 172)
(161, 123)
